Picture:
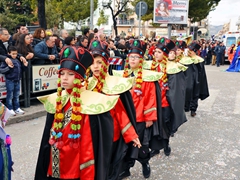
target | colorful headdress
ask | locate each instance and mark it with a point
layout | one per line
(76, 60)
(194, 46)
(165, 45)
(136, 47)
(181, 44)
(98, 48)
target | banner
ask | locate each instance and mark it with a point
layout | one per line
(170, 11)
(44, 77)
(3, 89)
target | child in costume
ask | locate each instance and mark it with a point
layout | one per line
(111, 85)
(172, 114)
(190, 73)
(176, 92)
(5, 142)
(200, 86)
(144, 98)
(79, 124)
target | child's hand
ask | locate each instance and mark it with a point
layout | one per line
(25, 63)
(149, 123)
(136, 143)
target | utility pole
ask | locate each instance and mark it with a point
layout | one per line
(91, 13)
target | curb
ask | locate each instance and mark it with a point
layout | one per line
(25, 117)
(36, 110)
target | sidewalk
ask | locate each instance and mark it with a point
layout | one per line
(34, 111)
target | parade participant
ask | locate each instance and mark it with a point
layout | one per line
(6, 162)
(144, 98)
(79, 125)
(190, 73)
(200, 87)
(235, 65)
(111, 85)
(176, 92)
(171, 114)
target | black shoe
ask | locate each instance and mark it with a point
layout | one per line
(154, 152)
(146, 170)
(167, 151)
(186, 110)
(172, 134)
(193, 113)
(124, 174)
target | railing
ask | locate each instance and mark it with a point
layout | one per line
(125, 22)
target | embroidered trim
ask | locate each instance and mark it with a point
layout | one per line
(126, 127)
(150, 110)
(55, 162)
(85, 165)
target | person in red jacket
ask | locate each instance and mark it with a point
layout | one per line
(79, 145)
(103, 83)
(144, 98)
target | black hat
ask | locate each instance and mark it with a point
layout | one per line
(194, 46)
(138, 47)
(181, 44)
(100, 49)
(76, 59)
(165, 45)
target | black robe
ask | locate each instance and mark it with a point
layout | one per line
(191, 76)
(120, 148)
(102, 138)
(202, 77)
(176, 97)
(159, 137)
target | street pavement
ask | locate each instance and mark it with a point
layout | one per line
(206, 147)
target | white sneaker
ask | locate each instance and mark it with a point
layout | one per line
(19, 111)
(12, 112)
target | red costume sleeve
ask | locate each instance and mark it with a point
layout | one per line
(150, 101)
(87, 171)
(122, 123)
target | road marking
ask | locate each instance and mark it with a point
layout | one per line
(206, 104)
(237, 104)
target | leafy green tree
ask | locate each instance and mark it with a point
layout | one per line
(16, 12)
(73, 11)
(102, 18)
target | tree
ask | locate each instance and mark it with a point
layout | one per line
(41, 13)
(198, 10)
(121, 7)
(73, 11)
(102, 18)
(16, 12)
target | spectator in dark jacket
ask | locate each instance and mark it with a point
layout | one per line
(46, 51)
(38, 36)
(13, 77)
(4, 37)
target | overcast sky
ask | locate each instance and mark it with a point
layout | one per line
(226, 10)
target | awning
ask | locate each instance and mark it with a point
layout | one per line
(203, 30)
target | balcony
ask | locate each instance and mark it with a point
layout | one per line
(121, 22)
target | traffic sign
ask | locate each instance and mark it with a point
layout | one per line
(143, 10)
